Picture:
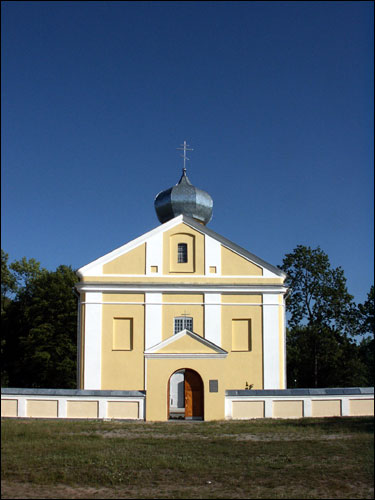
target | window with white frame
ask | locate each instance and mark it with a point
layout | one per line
(183, 323)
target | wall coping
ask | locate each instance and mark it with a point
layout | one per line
(339, 391)
(71, 392)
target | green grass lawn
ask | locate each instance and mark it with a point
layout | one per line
(306, 458)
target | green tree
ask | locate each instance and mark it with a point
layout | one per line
(49, 344)
(14, 279)
(322, 322)
(366, 328)
(40, 328)
(8, 287)
(8, 282)
(367, 314)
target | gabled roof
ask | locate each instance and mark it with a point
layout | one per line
(87, 269)
(185, 344)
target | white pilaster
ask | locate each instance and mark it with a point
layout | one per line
(345, 410)
(62, 408)
(93, 341)
(212, 317)
(213, 255)
(154, 254)
(102, 410)
(268, 408)
(271, 355)
(153, 318)
(141, 409)
(307, 411)
(21, 405)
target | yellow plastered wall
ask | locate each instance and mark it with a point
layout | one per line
(123, 409)
(195, 245)
(247, 409)
(326, 408)
(186, 344)
(82, 409)
(233, 264)
(361, 407)
(288, 409)
(160, 370)
(243, 366)
(41, 408)
(132, 262)
(122, 368)
(177, 305)
(9, 408)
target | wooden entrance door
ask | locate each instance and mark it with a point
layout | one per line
(193, 395)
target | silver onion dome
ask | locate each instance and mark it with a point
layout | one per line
(186, 199)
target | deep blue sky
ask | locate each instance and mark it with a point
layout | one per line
(276, 98)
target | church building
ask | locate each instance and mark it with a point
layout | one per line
(182, 314)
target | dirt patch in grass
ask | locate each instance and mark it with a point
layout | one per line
(118, 433)
(290, 437)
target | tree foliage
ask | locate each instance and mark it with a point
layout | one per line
(323, 321)
(39, 326)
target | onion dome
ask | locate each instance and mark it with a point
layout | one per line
(186, 199)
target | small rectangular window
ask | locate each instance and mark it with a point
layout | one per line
(183, 323)
(182, 254)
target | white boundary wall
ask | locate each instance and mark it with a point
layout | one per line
(68, 404)
(130, 405)
(299, 403)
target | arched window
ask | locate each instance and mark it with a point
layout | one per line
(182, 253)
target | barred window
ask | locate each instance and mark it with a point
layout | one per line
(182, 254)
(183, 323)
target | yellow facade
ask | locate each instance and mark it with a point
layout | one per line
(159, 372)
(133, 262)
(187, 345)
(195, 250)
(213, 286)
(242, 366)
(234, 264)
(180, 305)
(122, 369)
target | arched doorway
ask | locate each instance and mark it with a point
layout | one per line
(185, 395)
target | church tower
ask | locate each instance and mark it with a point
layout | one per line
(184, 198)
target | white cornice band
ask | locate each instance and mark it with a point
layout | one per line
(147, 287)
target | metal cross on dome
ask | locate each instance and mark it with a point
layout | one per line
(184, 149)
